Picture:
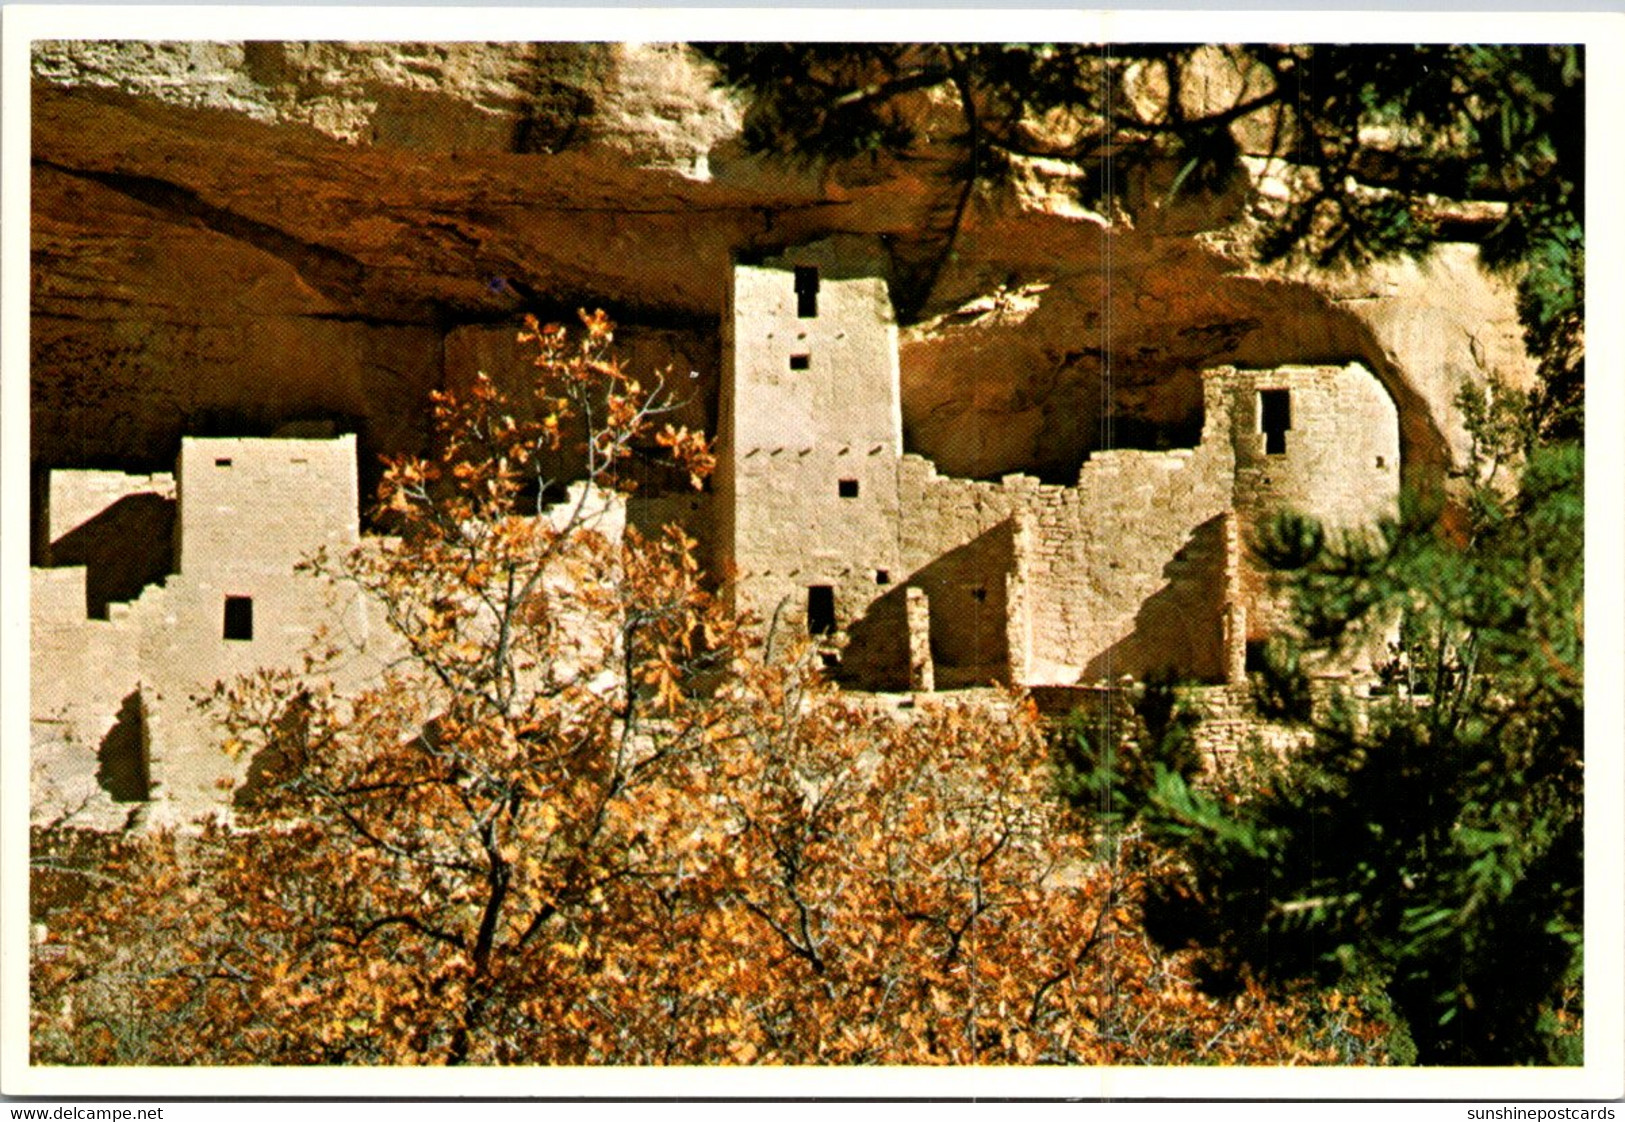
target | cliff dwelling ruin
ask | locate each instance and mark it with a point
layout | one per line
(1138, 566)
(153, 587)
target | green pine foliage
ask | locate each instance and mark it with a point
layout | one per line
(1432, 837)
(1110, 753)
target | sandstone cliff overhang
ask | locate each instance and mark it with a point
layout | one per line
(228, 236)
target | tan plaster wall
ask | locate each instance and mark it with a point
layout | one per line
(849, 393)
(243, 527)
(1126, 575)
(1341, 462)
(256, 507)
(1231, 727)
(789, 437)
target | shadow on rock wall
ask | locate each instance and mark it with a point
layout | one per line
(969, 610)
(122, 756)
(125, 548)
(1180, 627)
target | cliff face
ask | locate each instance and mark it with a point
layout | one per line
(229, 236)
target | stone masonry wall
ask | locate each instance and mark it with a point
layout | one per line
(1231, 726)
(120, 528)
(107, 536)
(820, 520)
(810, 432)
(1126, 574)
(1339, 463)
(250, 511)
(81, 671)
(957, 539)
(78, 498)
(1137, 568)
(1140, 567)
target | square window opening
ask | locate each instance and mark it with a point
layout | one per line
(801, 362)
(239, 621)
(820, 609)
(882, 576)
(807, 291)
(1274, 419)
(979, 594)
(847, 488)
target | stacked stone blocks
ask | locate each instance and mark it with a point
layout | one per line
(1144, 564)
(819, 524)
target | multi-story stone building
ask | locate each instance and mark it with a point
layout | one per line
(121, 653)
(1140, 565)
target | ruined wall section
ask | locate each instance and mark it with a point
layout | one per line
(1142, 566)
(1125, 571)
(249, 510)
(848, 390)
(1231, 729)
(1125, 577)
(120, 528)
(76, 498)
(957, 544)
(1336, 458)
(81, 669)
(107, 536)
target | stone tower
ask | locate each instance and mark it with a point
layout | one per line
(1320, 440)
(810, 435)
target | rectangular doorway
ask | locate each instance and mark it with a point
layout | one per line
(1274, 419)
(820, 609)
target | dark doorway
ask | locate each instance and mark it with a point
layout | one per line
(820, 609)
(807, 291)
(239, 617)
(1275, 418)
(1257, 662)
